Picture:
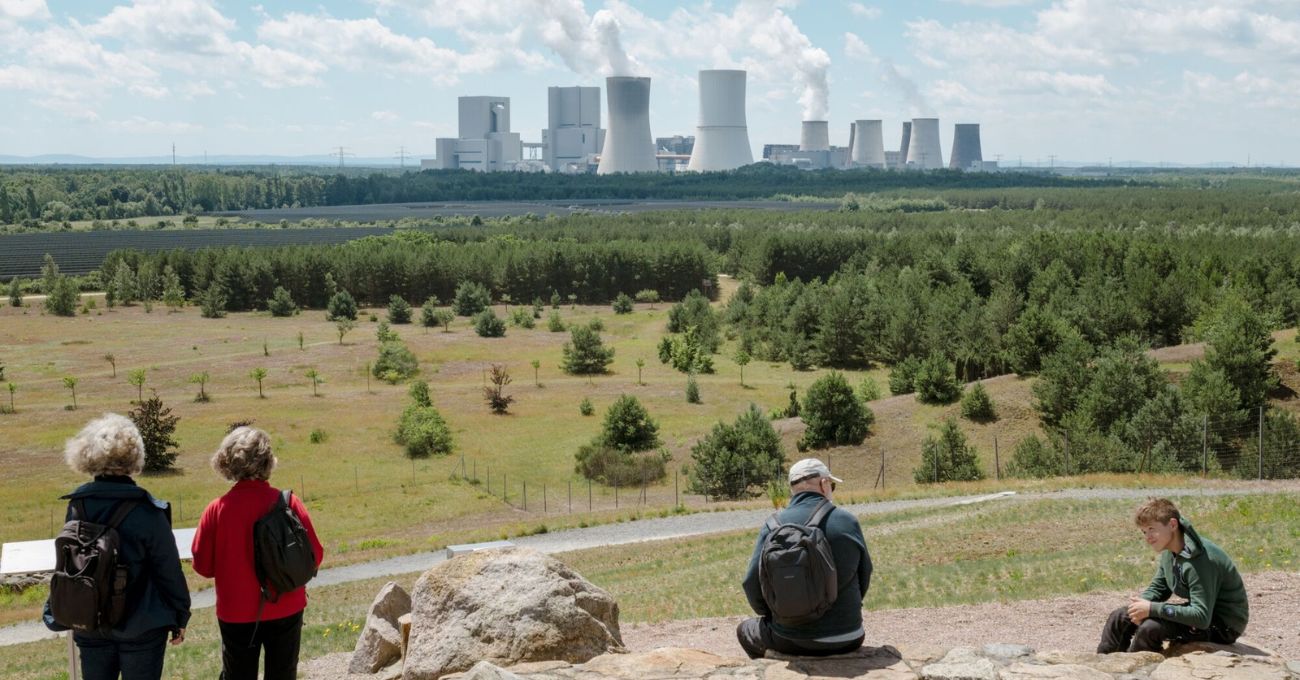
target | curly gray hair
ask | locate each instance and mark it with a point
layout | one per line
(245, 453)
(107, 445)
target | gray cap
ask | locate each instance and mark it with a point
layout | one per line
(811, 467)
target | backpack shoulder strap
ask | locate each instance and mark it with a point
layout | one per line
(78, 507)
(772, 523)
(123, 509)
(823, 509)
(286, 496)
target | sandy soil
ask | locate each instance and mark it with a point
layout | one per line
(1067, 623)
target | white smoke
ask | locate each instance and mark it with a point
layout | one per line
(585, 44)
(911, 93)
(775, 35)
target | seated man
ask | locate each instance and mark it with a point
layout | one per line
(834, 624)
(1190, 567)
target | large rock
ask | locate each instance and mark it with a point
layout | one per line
(1118, 663)
(1222, 666)
(962, 663)
(506, 607)
(1029, 671)
(380, 644)
(665, 662)
(868, 663)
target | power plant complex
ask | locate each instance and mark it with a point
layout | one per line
(574, 141)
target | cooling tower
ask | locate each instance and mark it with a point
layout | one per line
(722, 137)
(907, 141)
(965, 146)
(816, 136)
(867, 144)
(923, 151)
(628, 144)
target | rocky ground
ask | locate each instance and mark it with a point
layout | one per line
(1069, 626)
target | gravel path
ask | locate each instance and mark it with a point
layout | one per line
(684, 525)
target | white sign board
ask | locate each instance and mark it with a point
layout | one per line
(31, 557)
(464, 548)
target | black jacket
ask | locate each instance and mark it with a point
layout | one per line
(157, 595)
(852, 566)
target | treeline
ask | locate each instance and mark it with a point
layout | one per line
(417, 265)
(34, 195)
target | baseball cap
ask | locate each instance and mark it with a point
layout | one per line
(811, 467)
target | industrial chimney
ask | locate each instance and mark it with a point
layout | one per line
(965, 146)
(902, 147)
(722, 137)
(867, 147)
(816, 136)
(923, 151)
(628, 144)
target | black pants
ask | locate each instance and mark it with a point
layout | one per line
(241, 646)
(138, 659)
(756, 637)
(1122, 635)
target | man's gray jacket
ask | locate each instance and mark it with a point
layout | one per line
(852, 566)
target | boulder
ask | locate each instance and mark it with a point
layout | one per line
(380, 644)
(1119, 663)
(484, 670)
(1002, 650)
(1221, 666)
(506, 607)
(962, 663)
(1029, 671)
(665, 662)
(1241, 647)
(873, 663)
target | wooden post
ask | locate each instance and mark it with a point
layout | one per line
(356, 479)
(677, 499)
(525, 495)
(1261, 442)
(1205, 445)
(997, 460)
(588, 495)
(544, 508)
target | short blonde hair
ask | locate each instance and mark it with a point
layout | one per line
(245, 453)
(1155, 511)
(107, 445)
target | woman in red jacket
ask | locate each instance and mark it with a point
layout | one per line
(223, 549)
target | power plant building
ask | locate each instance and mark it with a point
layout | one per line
(722, 136)
(966, 152)
(629, 146)
(573, 137)
(923, 149)
(867, 144)
(485, 142)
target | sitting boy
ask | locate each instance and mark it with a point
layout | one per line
(1190, 567)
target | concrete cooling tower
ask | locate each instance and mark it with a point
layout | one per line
(816, 136)
(628, 144)
(867, 144)
(722, 137)
(965, 146)
(923, 151)
(907, 141)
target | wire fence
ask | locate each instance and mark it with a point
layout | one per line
(1262, 445)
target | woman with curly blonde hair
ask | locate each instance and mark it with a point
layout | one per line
(223, 549)
(109, 450)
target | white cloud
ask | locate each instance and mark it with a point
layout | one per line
(23, 10)
(140, 125)
(996, 3)
(855, 48)
(860, 10)
(149, 91)
(384, 116)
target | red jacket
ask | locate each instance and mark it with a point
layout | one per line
(223, 549)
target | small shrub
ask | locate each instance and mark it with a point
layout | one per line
(424, 433)
(936, 381)
(629, 427)
(585, 353)
(833, 414)
(395, 363)
(1033, 458)
(494, 395)
(947, 457)
(471, 298)
(429, 313)
(976, 404)
(318, 436)
(596, 324)
(585, 407)
(609, 465)
(373, 318)
(341, 306)
(648, 296)
(554, 323)
(733, 459)
(902, 377)
(399, 310)
(487, 325)
(212, 303)
(622, 304)
(868, 390)
(521, 317)
(281, 303)
(692, 390)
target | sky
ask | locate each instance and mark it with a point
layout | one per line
(1174, 81)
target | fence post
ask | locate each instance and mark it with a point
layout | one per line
(302, 488)
(1205, 445)
(615, 492)
(677, 501)
(544, 507)
(997, 459)
(645, 489)
(1261, 442)
(505, 488)
(525, 495)
(475, 464)
(570, 496)
(412, 470)
(936, 467)
(588, 495)
(489, 479)
(1066, 436)
(356, 479)
(882, 468)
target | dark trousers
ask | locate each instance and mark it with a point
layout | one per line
(1122, 635)
(138, 659)
(242, 644)
(756, 637)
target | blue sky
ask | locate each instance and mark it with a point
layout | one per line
(1182, 81)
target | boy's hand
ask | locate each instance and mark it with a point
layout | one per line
(178, 636)
(1139, 610)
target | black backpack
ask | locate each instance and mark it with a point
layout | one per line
(282, 552)
(88, 588)
(796, 569)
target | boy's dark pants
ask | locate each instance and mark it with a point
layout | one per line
(242, 644)
(1122, 635)
(756, 637)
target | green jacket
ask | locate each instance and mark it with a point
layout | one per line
(1207, 578)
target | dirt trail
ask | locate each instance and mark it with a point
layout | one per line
(1065, 623)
